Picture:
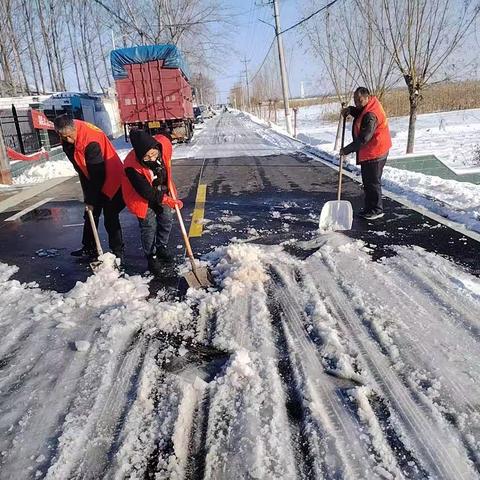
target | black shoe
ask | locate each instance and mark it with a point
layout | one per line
(372, 215)
(83, 252)
(154, 265)
(163, 255)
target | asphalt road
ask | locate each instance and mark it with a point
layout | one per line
(256, 193)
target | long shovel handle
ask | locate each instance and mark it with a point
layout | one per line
(342, 157)
(184, 232)
(95, 232)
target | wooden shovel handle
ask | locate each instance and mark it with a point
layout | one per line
(184, 231)
(95, 232)
(342, 157)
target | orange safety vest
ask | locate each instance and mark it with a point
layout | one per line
(135, 202)
(87, 133)
(381, 142)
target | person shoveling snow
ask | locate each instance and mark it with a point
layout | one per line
(371, 143)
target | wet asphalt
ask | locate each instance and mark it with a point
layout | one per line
(269, 200)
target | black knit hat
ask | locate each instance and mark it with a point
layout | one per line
(142, 142)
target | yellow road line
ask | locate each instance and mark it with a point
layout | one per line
(196, 227)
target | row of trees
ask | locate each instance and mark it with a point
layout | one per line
(384, 43)
(55, 45)
(380, 44)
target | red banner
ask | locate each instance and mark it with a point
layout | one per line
(26, 158)
(40, 121)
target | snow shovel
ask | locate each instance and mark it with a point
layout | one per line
(95, 264)
(337, 214)
(198, 277)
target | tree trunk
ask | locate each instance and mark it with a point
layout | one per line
(33, 43)
(16, 53)
(69, 16)
(414, 99)
(51, 66)
(54, 17)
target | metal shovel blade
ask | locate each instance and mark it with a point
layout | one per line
(95, 265)
(336, 215)
(200, 277)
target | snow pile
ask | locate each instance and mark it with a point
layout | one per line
(457, 201)
(45, 171)
(307, 343)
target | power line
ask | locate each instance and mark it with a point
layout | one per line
(287, 29)
(264, 60)
(310, 16)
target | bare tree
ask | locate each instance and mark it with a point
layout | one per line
(205, 88)
(374, 64)
(420, 35)
(200, 28)
(238, 95)
(324, 38)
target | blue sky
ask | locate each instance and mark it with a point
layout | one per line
(252, 39)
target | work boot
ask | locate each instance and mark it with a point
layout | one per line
(83, 252)
(163, 255)
(154, 265)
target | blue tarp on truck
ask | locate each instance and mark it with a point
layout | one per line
(170, 54)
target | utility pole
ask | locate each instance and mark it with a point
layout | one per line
(283, 70)
(245, 61)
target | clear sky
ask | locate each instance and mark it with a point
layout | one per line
(252, 38)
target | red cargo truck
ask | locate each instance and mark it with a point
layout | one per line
(153, 90)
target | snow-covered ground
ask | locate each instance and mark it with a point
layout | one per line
(328, 375)
(453, 137)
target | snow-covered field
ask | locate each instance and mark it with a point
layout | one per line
(328, 374)
(452, 136)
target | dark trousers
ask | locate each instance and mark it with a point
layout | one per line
(372, 184)
(111, 210)
(155, 229)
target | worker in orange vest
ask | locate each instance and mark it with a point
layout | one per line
(100, 171)
(371, 143)
(147, 188)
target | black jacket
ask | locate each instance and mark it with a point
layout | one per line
(92, 187)
(367, 129)
(142, 142)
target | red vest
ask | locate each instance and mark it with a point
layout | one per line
(87, 133)
(381, 142)
(135, 202)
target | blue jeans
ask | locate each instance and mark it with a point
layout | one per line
(155, 229)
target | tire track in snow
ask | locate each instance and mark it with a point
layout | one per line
(90, 426)
(440, 454)
(337, 442)
(428, 340)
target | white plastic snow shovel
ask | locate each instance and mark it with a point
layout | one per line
(95, 264)
(337, 214)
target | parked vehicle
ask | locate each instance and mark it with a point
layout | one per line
(197, 115)
(206, 111)
(153, 90)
